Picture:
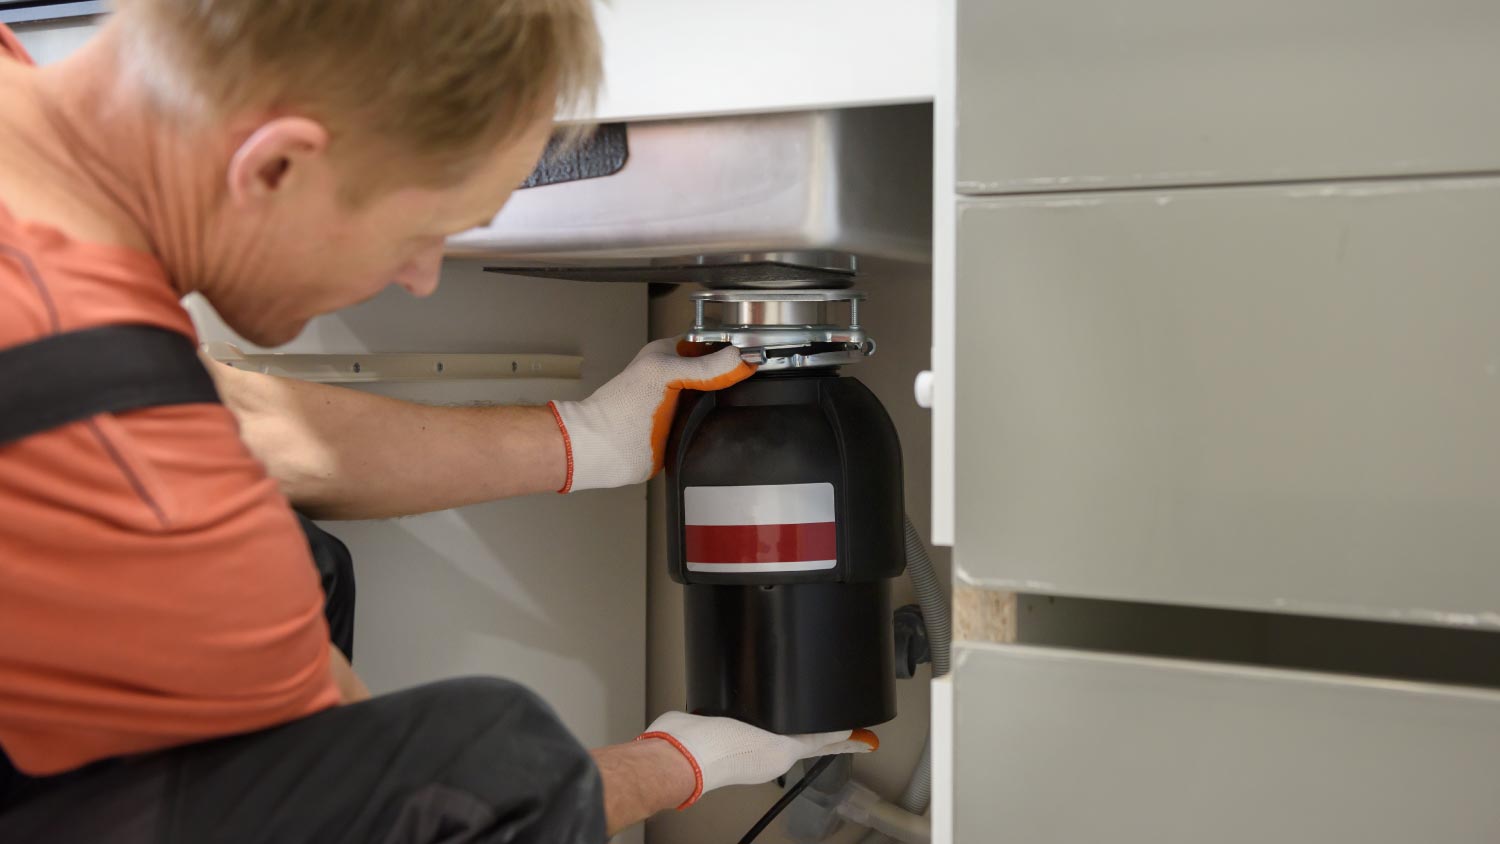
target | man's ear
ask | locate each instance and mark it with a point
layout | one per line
(275, 152)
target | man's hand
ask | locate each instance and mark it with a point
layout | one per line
(682, 756)
(617, 436)
(723, 751)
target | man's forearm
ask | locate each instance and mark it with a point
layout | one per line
(642, 778)
(343, 454)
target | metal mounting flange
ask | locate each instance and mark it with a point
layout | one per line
(782, 329)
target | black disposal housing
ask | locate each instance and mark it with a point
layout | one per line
(784, 523)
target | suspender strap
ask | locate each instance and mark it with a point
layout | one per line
(67, 377)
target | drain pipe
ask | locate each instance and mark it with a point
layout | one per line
(939, 621)
(859, 804)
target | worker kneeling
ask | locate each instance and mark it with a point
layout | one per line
(173, 665)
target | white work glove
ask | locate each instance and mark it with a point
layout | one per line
(617, 436)
(724, 751)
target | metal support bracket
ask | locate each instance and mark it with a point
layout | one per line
(368, 368)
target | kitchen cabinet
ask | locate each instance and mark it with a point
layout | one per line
(1283, 397)
(1091, 94)
(569, 595)
(1214, 383)
(682, 58)
(1061, 746)
(679, 58)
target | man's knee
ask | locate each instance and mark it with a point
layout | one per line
(480, 705)
(480, 759)
(501, 744)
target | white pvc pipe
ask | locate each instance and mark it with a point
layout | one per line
(864, 807)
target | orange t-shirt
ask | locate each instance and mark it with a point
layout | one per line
(155, 588)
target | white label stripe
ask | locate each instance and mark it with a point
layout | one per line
(767, 504)
(759, 568)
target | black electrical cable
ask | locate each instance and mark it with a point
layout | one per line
(786, 799)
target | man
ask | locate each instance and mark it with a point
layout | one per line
(165, 667)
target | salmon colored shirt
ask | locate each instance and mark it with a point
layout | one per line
(155, 588)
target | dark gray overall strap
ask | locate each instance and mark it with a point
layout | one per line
(67, 377)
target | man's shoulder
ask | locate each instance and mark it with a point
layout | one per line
(51, 283)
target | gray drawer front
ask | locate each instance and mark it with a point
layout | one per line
(1056, 746)
(1161, 92)
(1272, 398)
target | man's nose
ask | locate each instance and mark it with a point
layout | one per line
(420, 275)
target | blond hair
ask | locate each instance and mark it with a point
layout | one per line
(438, 80)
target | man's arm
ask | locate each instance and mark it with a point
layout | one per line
(345, 454)
(640, 779)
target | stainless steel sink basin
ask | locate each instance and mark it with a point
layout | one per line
(821, 185)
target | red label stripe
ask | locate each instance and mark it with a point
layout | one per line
(750, 544)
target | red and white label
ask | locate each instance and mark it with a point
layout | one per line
(755, 529)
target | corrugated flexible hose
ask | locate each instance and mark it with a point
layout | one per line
(935, 614)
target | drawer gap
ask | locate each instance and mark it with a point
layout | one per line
(1333, 645)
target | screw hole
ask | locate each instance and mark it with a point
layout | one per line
(356, 366)
(439, 366)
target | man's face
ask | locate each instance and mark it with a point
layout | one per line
(307, 251)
